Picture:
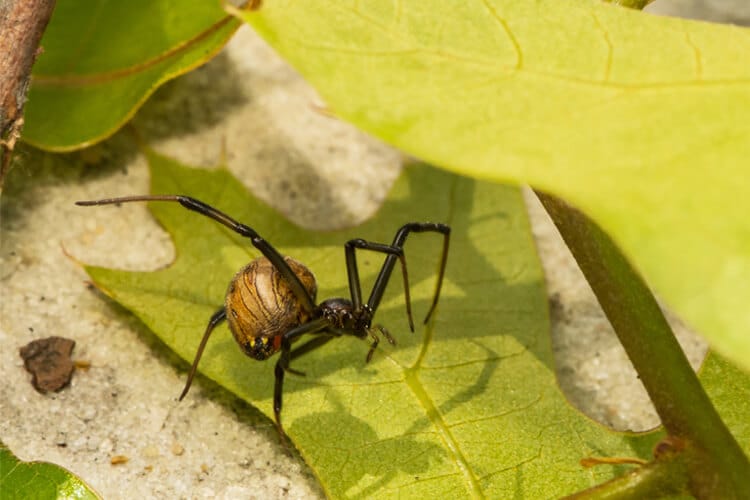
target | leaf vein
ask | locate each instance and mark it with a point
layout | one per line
(72, 80)
(511, 411)
(506, 29)
(698, 56)
(610, 48)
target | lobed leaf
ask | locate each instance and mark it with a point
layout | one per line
(468, 406)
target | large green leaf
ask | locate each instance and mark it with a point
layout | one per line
(101, 61)
(640, 121)
(38, 480)
(468, 406)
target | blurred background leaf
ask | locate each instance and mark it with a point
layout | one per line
(101, 60)
(38, 480)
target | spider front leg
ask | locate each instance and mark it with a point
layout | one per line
(394, 251)
(299, 290)
(398, 242)
(352, 270)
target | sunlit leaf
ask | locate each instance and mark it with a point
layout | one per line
(638, 120)
(466, 406)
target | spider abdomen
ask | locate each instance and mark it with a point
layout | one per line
(261, 307)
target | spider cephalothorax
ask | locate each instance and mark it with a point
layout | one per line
(270, 303)
(341, 315)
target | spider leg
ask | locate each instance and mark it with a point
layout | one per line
(373, 346)
(258, 242)
(376, 340)
(215, 320)
(282, 365)
(398, 242)
(310, 345)
(393, 252)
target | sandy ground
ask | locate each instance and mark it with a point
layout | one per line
(250, 104)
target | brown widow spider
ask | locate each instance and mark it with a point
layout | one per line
(270, 302)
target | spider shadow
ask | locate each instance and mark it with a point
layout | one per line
(410, 452)
(197, 100)
(480, 299)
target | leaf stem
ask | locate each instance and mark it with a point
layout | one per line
(717, 465)
(655, 480)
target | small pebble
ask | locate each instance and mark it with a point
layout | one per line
(118, 459)
(177, 449)
(150, 451)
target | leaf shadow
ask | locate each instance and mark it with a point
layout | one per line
(197, 100)
(383, 458)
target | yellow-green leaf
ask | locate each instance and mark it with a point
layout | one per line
(38, 480)
(101, 60)
(640, 121)
(467, 406)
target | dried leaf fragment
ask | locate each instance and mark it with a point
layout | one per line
(48, 361)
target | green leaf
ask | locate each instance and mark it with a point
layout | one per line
(467, 406)
(101, 61)
(640, 121)
(38, 480)
(730, 393)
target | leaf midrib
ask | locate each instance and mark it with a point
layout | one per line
(74, 80)
(412, 381)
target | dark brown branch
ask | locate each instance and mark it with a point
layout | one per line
(22, 23)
